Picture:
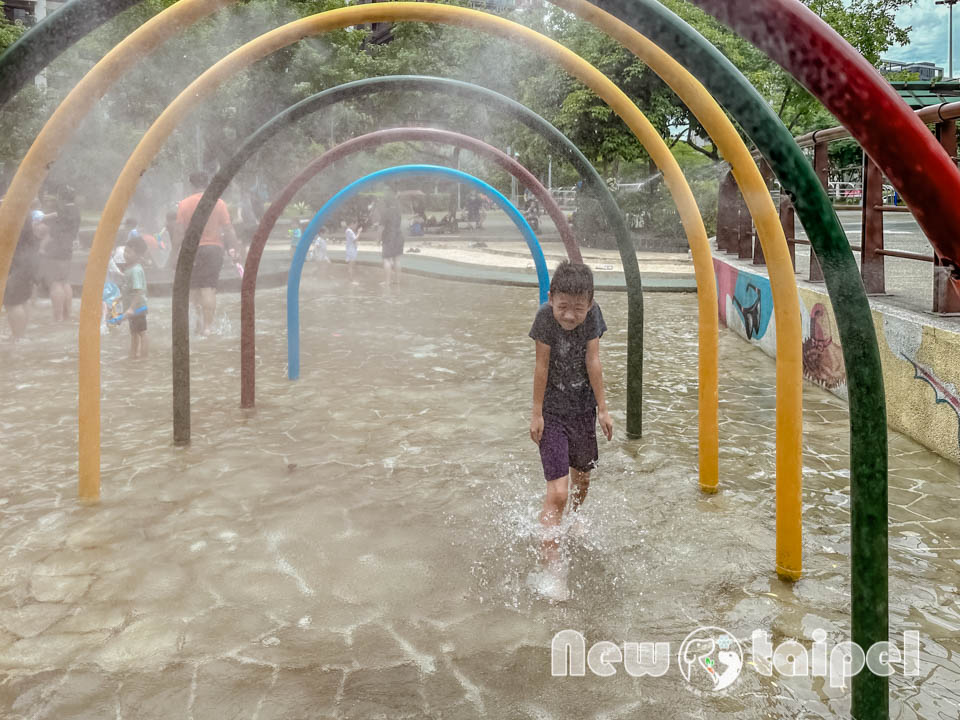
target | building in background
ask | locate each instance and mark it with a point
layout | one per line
(927, 71)
(30, 11)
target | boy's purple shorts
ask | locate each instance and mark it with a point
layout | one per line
(568, 441)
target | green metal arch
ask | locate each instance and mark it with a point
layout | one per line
(360, 88)
(861, 352)
(369, 141)
(43, 43)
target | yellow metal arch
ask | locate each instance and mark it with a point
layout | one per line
(80, 100)
(783, 284)
(158, 29)
(262, 46)
(186, 12)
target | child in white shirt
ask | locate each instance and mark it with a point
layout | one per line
(353, 236)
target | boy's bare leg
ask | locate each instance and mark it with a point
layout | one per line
(144, 345)
(67, 301)
(554, 503)
(57, 302)
(195, 301)
(208, 302)
(386, 271)
(134, 345)
(396, 270)
(17, 317)
(581, 483)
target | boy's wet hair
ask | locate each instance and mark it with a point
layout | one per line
(572, 279)
(198, 179)
(138, 244)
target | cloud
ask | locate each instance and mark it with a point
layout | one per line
(928, 39)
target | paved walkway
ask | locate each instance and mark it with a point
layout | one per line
(909, 283)
(510, 263)
(482, 256)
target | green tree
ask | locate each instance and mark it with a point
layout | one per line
(868, 25)
(9, 31)
(14, 138)
(210, 133)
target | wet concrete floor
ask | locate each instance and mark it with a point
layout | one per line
(360, 545)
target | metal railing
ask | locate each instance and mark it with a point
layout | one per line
(735, 232)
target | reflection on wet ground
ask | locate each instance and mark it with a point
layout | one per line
(359, 546)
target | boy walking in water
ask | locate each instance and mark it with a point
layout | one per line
(135, 296)
(568, 401)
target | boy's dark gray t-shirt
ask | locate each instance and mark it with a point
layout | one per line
(568, 385)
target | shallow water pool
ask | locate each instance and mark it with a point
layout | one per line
(360, 545)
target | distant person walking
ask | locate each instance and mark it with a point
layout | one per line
(20, 281)
(57, 252)
(135, 296)
(475, 211)
(354, 228)
(248, 217)
(209, 259)
(391, 239)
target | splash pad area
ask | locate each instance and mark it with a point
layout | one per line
(360, 544)
(803, 45)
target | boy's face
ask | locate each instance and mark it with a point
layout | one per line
(131, 256)
(570, 310)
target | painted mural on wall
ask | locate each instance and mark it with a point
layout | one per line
(926, 357)
(745, 301)
(921, 372)
(822, 354)
(943, 392)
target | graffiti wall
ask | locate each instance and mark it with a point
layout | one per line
(920, 355)
(921, 372)
(822, 352)
(745, 304)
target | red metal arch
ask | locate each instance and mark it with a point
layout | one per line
(850, 88)
(380, 137)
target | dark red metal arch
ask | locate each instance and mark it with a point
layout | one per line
(866, 104)
(364, 142)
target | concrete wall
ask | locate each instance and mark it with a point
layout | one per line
(920, 352)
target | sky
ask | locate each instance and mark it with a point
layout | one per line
(928, 40)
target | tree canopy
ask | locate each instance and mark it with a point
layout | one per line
(211, 133)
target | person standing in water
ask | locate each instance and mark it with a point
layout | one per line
(391, 239)
(568, 400)
(209, 259)
(354, 228)
(135, 296)
(57, 253)
(20, 281)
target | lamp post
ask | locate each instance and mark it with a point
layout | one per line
(513, 179)
(951, 3)
(39, 13)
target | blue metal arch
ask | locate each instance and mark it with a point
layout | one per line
(300, 255)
